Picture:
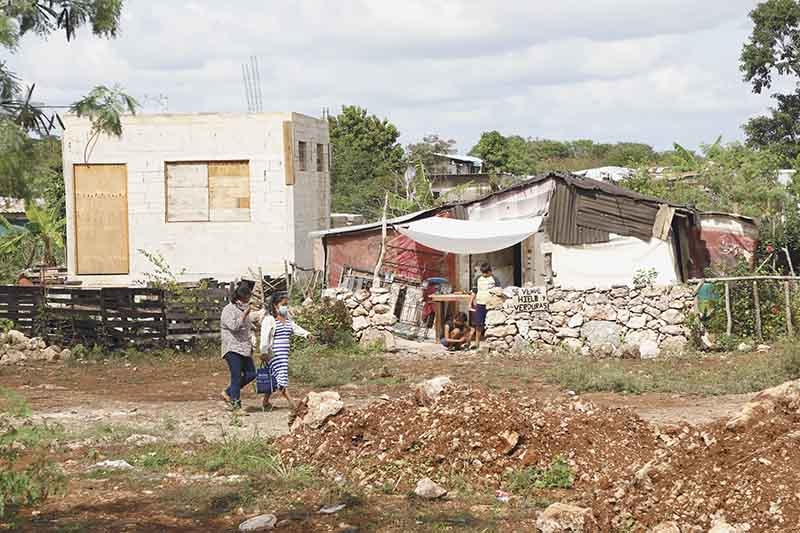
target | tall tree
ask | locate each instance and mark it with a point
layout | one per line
(492, 147)
(773, 51)
(367, 161)
(423, 152)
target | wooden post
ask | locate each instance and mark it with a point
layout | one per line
(376, 280)
(729, 327)
(787, 295)
(288, 278)
(757, 310)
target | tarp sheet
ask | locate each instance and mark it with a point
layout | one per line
(469, 236)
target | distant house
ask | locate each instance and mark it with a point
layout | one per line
(13, 209)
(459, 177)
(342, 220)
(213, 193)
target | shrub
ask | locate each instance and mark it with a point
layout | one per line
(558, 475)
(329, 320)
(24, 485)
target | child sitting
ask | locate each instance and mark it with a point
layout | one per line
(457, 335)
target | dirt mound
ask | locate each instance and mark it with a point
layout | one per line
(476, 434)
(745, 470)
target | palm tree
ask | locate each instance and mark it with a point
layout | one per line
(104, 107)
(42, 236)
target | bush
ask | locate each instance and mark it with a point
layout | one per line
(24, 485)
(558, 475)
(328, 320)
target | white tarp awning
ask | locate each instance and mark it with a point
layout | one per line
(469, 236)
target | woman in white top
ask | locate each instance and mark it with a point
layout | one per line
(277, 331)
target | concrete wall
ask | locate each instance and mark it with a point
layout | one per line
(224, 250)
(312, 191)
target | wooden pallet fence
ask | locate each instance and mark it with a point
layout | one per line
(20, 305)
(115, 318)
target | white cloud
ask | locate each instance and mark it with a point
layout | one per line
(656, 72)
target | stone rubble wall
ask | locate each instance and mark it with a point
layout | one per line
(620, 322)
(16, 348)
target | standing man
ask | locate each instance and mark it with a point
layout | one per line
(484, 283)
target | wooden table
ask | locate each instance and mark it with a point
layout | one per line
(443, 302)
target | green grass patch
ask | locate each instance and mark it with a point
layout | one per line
(12, 403)
(709, 376)
(320, 366)
(558, 475)
(255, 458)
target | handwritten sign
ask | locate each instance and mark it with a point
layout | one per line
(530, 299)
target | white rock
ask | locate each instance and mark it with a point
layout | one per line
(263, 522)
(381, 299)
(649, 350)
(387, 319)
(673, 316)
(572, 345)
(66, 354)
(673, 330)
(601, 333)
(429, 490)
(575, 321)
(351, 304)
(17, 338)
(502, 331)
(674, 345)
(568, 333)
(13, 357)
(561, 307)
(495, 318)
(360, 323)
(524, 328)
(362, 295)
(563, 518)
(51, 354)
(321, 406)
(379, 290)
(140, 440)
(118, 464)
(380, 309)
(428, 391)
(637, 322)
(383, 338)
(359, 311)
(744, 347)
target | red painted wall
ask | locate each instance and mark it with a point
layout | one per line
(404, 258)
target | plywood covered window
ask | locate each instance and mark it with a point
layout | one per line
(320, 158)
(213, 191)
(302, 154)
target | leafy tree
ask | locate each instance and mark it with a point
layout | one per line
(42, 236)
(492, 147)
(424, 152)
(367, 161)
(521, 161)
(104, 107)
(773, 50)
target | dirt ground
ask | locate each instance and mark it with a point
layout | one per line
(102, 409)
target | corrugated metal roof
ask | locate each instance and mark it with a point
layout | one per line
(373, 225)
(464, 158)
(9, 205)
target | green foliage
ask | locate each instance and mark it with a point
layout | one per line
(328, 320)
(25, 482)
(104, 107)
(521, 157)
(333, 367)
(41, 240)
(733, 374)
(423, 153)
(13, 404)
(367, 161)
(558, 475)
(773, 50)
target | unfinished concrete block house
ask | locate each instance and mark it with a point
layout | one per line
(212, 193)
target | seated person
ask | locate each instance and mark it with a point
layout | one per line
(457, 335)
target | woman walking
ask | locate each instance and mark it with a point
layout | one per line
(236, 347)
(277, 330)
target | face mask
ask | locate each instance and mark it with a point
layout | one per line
(283, 310)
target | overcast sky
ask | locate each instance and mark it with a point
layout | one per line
(654, 71)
